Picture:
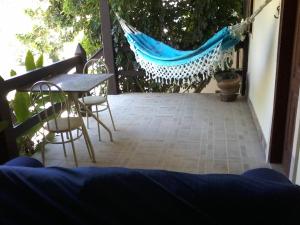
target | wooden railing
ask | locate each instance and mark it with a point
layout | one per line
(10, 132)
(98, 54)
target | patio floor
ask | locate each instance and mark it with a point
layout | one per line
(195, 133)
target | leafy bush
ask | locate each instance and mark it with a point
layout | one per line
(20, 106)
(21, 102)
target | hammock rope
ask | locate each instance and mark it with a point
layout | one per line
(168, 65)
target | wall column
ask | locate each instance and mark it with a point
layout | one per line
(108, 45)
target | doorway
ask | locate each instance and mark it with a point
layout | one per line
(286, 86)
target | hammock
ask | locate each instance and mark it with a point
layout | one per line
(169, 65)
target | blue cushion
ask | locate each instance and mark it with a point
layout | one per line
(131, 196)
(267, 174)
(24, 161)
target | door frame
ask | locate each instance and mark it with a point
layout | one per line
(282, 82)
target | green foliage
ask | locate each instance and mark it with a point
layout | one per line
(183, 24)
(13, 73)
(61, 22)
(43, 38)
(20, 106)
(188, 23)
(29, 61)
(21, 101)
(39, 62)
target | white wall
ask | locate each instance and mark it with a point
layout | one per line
(295, 161)
(262, 65)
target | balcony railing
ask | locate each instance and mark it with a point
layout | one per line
(9, 131)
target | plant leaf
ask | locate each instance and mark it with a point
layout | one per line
(21, 105)
(13, 73)
(29, 61)
(39, 62)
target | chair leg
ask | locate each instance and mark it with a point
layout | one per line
(73, 148)
(63, 142)
(90, 149)
(87, 145)
(97, 114)
(87, 119)
(112, 120)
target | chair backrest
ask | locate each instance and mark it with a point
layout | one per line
(48, 101)
(97, 66)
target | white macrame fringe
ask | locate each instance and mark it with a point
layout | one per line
(194, 71)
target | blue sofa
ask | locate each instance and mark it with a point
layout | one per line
(32, 194)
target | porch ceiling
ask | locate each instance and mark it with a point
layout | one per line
(194, 133)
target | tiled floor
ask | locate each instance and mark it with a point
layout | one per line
(194, 133)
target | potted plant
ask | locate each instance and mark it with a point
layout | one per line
(229, 83)
(228, 80)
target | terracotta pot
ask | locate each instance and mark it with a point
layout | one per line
(229, 89)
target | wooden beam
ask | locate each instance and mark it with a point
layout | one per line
(82, 54)
(39, 74)
(245, 65)
(108, 45)
(8, 144)
(98, 54)
(283, 75)
(248, 9)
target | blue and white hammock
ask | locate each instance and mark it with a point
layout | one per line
(168, 65)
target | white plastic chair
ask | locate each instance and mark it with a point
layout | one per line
(97, 98)
(58, 119)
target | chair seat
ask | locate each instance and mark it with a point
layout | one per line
(93, 100)
(62, 124)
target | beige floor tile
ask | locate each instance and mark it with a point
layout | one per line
(194, 133)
